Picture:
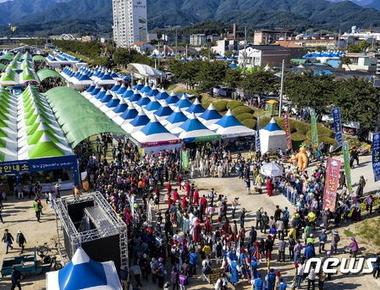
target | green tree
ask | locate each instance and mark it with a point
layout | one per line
(361, 46)
(259, 82)
(359, 101)
(210, 74)
(233, 78)
(309, 91)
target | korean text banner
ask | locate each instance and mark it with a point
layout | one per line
(376, 156)
(331, 184)
(337, 125)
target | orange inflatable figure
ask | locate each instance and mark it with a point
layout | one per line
(302, 159)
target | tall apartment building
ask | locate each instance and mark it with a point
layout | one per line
(129, 22)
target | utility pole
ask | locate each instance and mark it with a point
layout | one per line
(245, 47)
(176, 42)
(282, 87)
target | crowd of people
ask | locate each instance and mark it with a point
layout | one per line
(177, 233)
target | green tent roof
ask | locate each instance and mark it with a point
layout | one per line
(38, 57)
(29, 75)
(35, 137)
(7, 56)
(45, 149)
(48, 73)
(78, 117)
(8, 76)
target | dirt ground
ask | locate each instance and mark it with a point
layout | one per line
(19, 215)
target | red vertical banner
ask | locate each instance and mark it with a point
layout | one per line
(287, 131)
(331, 183)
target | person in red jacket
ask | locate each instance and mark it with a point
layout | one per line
(175, 195)
(184, 202)
(269, 186)
(196, 197)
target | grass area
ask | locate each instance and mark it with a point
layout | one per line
(348, 233)
(369, 231)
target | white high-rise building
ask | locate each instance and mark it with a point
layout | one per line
(129, 22)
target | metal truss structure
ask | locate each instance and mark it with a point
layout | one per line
(106, 221)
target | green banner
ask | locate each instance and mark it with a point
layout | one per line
(314, 130)
(347, 167)
(185, 160)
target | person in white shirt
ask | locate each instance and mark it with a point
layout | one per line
(311, 279)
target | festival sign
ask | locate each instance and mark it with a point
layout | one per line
(314, 129)
(347, 167)
(185, 159)
(257, 137)
(376, 156)
(331, 184)
(337, 125)
(287, 131)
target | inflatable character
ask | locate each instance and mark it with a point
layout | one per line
(302, 159)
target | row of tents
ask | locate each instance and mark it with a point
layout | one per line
(155, 119)
(19, 71)
(28, 127)
(85, 76)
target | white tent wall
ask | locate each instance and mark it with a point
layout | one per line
(272, 141)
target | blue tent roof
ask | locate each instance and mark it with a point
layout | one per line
(140, 120)
(176, 117)
(122, 107)
(95, 91)
(228, 120)
(154, 127)
(113, 103)
(153, 106)
(101, 94)
(153, 92)
(173, 99)
(210, 114)
(183, 103)
(107, 97)
(135, 97)
(162, 96)
(164, 111)
(192, 125)
(146, 89)
(106, 77)
(129, 114)
(90, 89)
(128, 93)
(82, 276)
(138, 87)
(196, 107)
(143, 101)
(115, 88)
(121, 90)
(272, 126)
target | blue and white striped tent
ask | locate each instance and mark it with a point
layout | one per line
(183, 103)
(172, 100)
(127, 116)
(137, 123)
(163, 112)
(85, 274)
(154, 132)
(175, 119)
(230, 127)
(162, 95)
(195, 108)
(210, 116)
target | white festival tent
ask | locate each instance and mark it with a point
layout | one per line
(272, 169)
(272, 138)
(85, 274)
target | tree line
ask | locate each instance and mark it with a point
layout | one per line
(357, 97)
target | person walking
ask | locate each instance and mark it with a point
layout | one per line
(16, 278)
(20, 240)
(311, 279)
(37, 206)
(8, 240)
(1, 213)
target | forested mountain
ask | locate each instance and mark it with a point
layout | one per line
(70, 16)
